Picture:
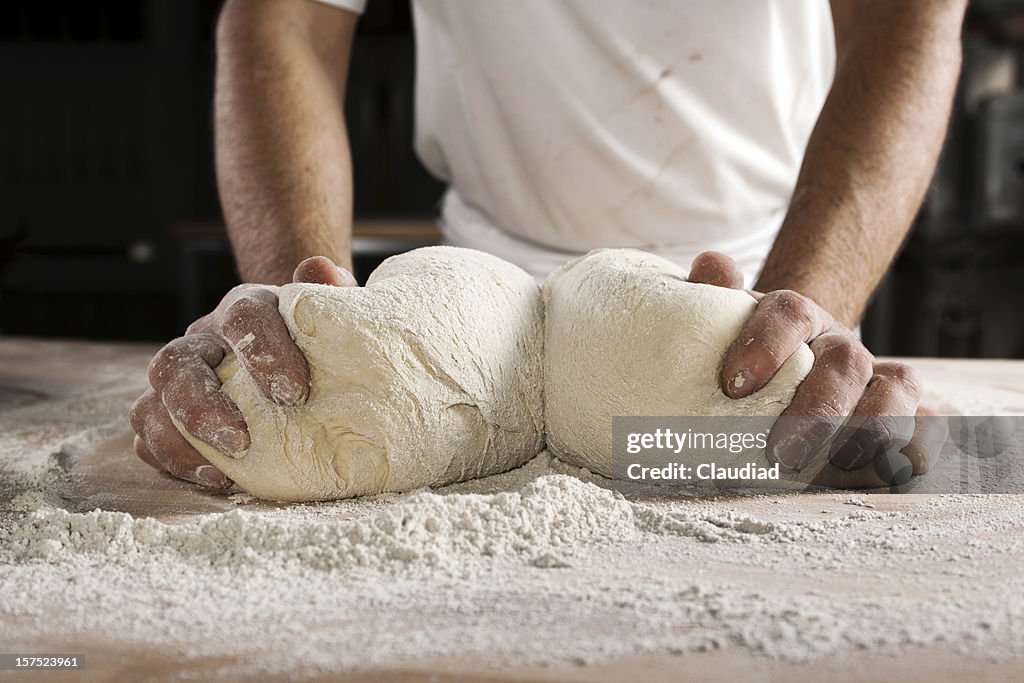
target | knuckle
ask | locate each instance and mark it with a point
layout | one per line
(793, 306)
(236, 293)
(246, 314)
(162, 357)
(783, 298)
(826, 409)
(260, 294)
(850, 358)
(908, 375)
(166, 359)
(884, 431)
(205, 342)
(897, 430)
(199, 325)
(238, 290)
(881, 429)
(242, 308)
(899, 376)
(182, 356)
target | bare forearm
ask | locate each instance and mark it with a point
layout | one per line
(283, 167)
(872, 152)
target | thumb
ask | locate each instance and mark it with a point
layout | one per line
(320, 270)
(713, 268)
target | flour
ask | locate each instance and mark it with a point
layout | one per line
(521, 566)
(540, 565)
(413, 537)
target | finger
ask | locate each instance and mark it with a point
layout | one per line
(161, 445)
(713, 268)
(781, 322)
(142, 450)
(182, 374)
(830, 392)
(204, 324)
(322, 271)
(253, 326)
(930, 433)
(883, 421)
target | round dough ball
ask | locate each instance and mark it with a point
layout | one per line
(627, 335)
(430, 374)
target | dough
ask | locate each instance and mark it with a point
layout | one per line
(627, 335)
(430, 374)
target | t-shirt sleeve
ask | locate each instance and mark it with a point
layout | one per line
(356, 6)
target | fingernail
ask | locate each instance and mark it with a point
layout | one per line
(848, 455)
(209, 475)
(286, 392)
(742, 384)
(230, 440)
(792, 452)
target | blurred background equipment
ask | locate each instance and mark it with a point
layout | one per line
(106, 163)
(956, 288)
(111, 227)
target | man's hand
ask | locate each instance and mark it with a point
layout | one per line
(185, 386)
(845, 380)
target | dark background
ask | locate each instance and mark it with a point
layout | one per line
(107, 189)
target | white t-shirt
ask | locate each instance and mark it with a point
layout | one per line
(567, 125)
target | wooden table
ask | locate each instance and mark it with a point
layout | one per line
(48, 371)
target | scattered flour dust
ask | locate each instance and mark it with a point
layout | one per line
(541, 565)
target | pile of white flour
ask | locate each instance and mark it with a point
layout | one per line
(542, 565)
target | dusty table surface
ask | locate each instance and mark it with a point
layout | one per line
(107, 476)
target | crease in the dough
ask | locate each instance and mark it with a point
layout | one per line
(294, 470)
(336, 434)
(485, 451)
(428, 364)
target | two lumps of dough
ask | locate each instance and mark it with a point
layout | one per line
(452, 364)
